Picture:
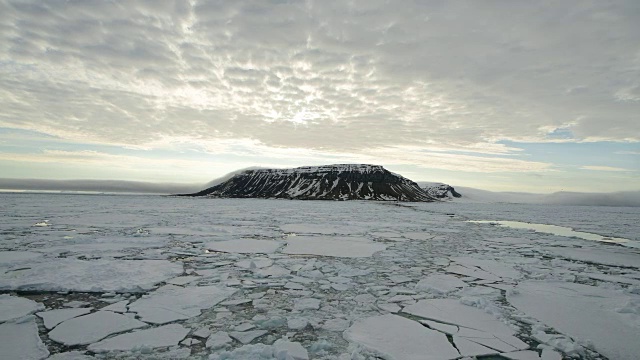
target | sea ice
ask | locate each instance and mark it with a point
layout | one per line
(14, 307)
(19, 340)
(306, 304)
(163, 336)
(615, 257)
(52, 318)
(246, 337)
(218, 340)
(475, 324)
(244, 246)
(394, 337)
(440, 284)
(71, 355)
(8, 258)
(583, 312)
(331, 246)
(170, 303)
(90, 328)
(91, 276)
(293, 349)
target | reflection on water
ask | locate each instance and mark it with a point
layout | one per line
(557, 230)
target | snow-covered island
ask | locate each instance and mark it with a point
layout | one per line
(328, 182)
(86, 277)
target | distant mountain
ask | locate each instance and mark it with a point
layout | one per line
(330, 182)
(440, 191)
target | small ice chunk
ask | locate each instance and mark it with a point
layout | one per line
(340, 287)
(390, 307)
(119, 307)
(90, 328)
(54, 317)
(365, 299)
(257, 263)
(203, 332)
(336, 324)
(246, 337)
(19, 340)
(163, 336)
(306, 304)
(550, 354)
(14, 307)
(183, 280)
(218, 340)
(293, 349)
(297, 323)
(244, 327)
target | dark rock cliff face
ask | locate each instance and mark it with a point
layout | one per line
(331, 182)
(441, 191)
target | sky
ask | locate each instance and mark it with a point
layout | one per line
(536, 96)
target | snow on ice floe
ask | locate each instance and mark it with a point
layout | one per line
(473, 324)
(90, 276)
(353, 247)
(52, 318)
(19, 340)
(170, 303)
(142, 340)
(607, 318)
(245, 246)
(14, 307)
(394, 337)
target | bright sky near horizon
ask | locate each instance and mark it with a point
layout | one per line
(536, 96)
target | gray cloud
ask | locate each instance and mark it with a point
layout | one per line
(326, 75)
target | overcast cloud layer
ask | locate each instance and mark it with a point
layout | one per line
(437, 84)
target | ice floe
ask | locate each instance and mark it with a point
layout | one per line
(90, 328)
(142, 340)
(19, 340)
(170, 303)
(14, 307)
(52, 318)
(331, 246)
(91, 276)
(394, 337)
(584, 312)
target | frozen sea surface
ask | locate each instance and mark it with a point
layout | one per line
(150, 277)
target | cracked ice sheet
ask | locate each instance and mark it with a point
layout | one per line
(91, 276)
(163, 336)
(54, 317)
(474, 324)
(171, 303)
(351, 247)
(245, 246)
(394, 337)
(19, 340)
(90, 328)
(491, 266)
(606, 317)
(14, 307)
